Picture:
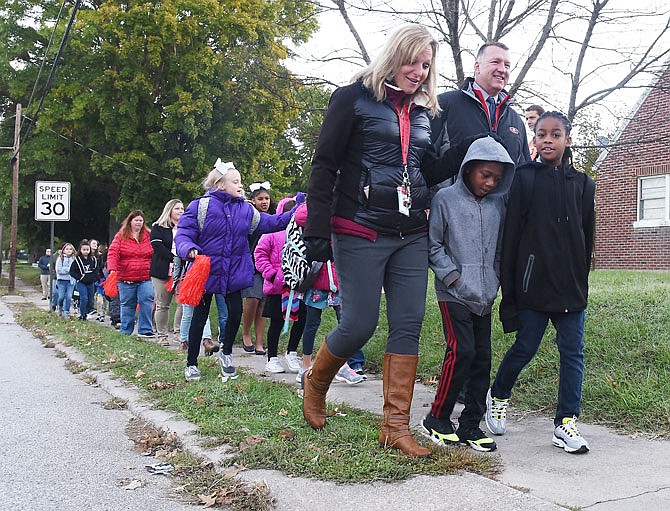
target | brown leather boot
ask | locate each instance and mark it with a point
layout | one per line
(399, 372)
(315, 383)
(210, 346)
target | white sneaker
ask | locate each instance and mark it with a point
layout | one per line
(274, 366)
(300, 375)
(293, 362)
(567, 437)
(192, 373)
(496, 414)
(228, 371)
(348, 375)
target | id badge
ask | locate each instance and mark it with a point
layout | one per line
(404, 202)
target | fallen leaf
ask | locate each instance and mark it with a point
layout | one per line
(134, 484)
(251, 441)
(287, 434)
(139, 374)
(230, 473)
(283, 412)
(199, 399)
(207, 500)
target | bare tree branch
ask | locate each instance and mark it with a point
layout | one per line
(352, 29)
(530, 60)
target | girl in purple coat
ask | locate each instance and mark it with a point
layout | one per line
(227, 220)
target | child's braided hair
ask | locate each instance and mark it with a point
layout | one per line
(567, 125)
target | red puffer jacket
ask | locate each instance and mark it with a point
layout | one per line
(131, 259)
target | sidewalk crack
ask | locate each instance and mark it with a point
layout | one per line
(662, 488)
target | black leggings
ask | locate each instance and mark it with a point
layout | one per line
(277, 323)
(200, 315)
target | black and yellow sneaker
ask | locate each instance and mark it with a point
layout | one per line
(476, 439)
(439, 431)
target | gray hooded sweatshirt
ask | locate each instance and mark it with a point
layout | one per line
(465, 234)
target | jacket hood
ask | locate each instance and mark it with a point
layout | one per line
(282, 204)
(487, 149)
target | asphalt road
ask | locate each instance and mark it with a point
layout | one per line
(59, 448)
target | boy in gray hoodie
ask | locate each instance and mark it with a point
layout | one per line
(466, 221)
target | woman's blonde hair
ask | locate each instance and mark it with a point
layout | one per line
(217, 174)
(403, 47)
(164, 219)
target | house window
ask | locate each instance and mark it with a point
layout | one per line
(653, 201)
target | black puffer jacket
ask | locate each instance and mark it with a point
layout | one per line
(463, 116)
(547, 241)
(357, 166)
(161, 242)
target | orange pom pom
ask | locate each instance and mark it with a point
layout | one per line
(110, 285)
(169, 284)
(192, 287)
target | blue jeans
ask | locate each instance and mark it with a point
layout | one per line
(65, 290)
(131, 294)
(187, 314)
(570, 341)
(54, 294)
(85, 298)
(199, 317)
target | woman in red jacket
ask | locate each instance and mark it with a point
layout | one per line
(130, 257)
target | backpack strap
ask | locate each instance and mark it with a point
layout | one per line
(255, 220)
(331, 280)
(203, 204)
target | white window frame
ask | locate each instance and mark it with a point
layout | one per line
(655, 222)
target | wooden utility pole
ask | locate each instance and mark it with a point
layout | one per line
(15, 199)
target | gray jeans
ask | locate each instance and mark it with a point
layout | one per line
(400, 265)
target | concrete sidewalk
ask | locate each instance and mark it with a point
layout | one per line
(620, 473)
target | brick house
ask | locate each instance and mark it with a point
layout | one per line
(633, 187)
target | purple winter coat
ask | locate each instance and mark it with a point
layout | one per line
(224, 238)
(268, 258)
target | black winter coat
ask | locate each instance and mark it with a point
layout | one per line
(547, 242)
(85, 269)
(161, 242)
(357, 166)
(463, 116)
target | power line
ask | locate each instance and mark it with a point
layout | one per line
(44, 58)
(47, 85)
(94, 151)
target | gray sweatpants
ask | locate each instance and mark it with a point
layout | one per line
(400, 265)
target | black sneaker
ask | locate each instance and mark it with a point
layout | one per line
(476, 439)
(439, 431)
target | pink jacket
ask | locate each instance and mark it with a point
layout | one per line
(267, 257)
(322, 282)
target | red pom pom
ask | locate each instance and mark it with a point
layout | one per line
(192, 287)
(169, 284)
(110, 286)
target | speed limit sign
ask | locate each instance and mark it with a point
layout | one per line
(52, 201)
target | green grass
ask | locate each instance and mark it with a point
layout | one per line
(346, 450)
(24, 272)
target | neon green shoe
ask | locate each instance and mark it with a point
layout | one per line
(476, 439)
(439, 431)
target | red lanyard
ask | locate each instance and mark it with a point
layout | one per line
(405, 125)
